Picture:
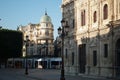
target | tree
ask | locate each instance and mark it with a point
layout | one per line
(11, 43)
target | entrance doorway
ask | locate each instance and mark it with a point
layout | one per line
(117, 62)
(82, 58)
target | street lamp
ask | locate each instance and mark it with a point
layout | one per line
(63, 32)
(27, 44)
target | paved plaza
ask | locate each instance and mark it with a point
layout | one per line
(40, 74)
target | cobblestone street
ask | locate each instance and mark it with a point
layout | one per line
(40, 74)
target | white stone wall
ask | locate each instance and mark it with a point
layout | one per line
(93, 34)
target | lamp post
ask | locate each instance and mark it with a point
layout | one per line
(27, 44)
(46, 45)
(44, 55)
(63, 32)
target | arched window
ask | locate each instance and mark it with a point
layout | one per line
(95, 16)
(119, 7)
(83, 18)
(105, 11)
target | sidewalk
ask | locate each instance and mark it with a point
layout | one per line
(43, 74)
(55, 75)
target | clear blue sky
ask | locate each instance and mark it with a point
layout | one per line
(21, 12)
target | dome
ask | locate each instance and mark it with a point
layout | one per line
(45, 18)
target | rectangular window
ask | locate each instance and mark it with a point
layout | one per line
(46, 25)
(94, 58)
(105, 50)
(72, 58)
(73, 23)
(66, 53)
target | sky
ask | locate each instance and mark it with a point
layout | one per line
(22, 12)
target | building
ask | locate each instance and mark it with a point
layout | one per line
(92, 46)
(40, 36)
(57, 47)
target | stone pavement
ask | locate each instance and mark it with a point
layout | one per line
(41, 74)
(48, 74)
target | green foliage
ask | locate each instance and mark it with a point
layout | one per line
(11, 42)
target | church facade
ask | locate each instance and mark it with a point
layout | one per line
(92, 46)
(40, 37)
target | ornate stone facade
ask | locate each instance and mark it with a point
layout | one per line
(41, 37)
(94, 37)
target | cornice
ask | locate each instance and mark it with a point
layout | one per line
(67, 3)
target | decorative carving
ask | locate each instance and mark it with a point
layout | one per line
(93, 42)
(84, 39)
